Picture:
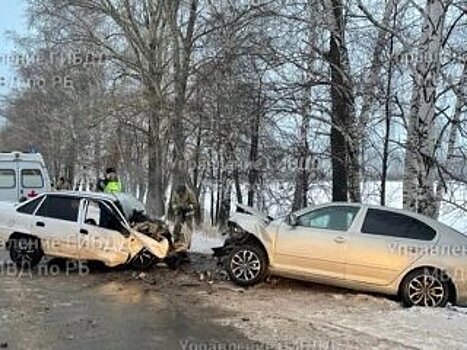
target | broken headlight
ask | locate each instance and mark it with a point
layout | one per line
(234, 231)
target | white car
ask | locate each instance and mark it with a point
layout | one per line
(78, 225)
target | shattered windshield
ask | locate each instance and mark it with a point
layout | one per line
(129, 204)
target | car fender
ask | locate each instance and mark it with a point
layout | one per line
(450, 269)
(257, 227)
(8, 221)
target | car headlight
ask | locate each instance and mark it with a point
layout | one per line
(234, 231)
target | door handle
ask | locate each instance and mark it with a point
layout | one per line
(340, 239)
(83, 231)
(40, 224)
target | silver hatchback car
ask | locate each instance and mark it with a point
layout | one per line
(356, 246)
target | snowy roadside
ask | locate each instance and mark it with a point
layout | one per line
(203, 243)
(286, 314)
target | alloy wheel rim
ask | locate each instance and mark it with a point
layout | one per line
(245, 265)
(426, 290)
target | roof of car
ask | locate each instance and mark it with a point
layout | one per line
(384, 208)
(82, 194)
(21, 157)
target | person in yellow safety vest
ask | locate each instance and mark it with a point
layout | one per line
(184, 205)
(112, 183)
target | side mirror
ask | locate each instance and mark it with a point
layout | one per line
(292, 220)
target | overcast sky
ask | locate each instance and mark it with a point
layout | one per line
(12, 18)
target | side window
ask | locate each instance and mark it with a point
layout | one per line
(92, 214)
(32, 178)
(338, 218)
(7, 178)
(386, 223)
(60, 207)
(99, 214)
(30, 207)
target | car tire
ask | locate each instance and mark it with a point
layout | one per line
(425, 287)
(143, 261)
(247, 265)
(25, 251)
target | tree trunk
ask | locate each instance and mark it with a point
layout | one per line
(253, 158)
(418, 184)
(302, 175)
(156, 193)
(181, 63)
(387, 136)
(341, 102)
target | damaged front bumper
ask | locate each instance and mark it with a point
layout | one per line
(235, 237)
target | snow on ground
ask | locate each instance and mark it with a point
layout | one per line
(416, 327)
(286, 314)
(203, 243)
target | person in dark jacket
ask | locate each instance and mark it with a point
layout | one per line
(184, 205)
(63, 185)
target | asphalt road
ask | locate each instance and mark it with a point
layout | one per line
(50, 310)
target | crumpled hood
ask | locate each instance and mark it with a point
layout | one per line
(254, 212)
(251, 220)
(159, 249)
(258, 224)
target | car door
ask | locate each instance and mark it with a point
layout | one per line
(24, 221)
(103, 236)
(317, 245)
(387, 243)
(56, 224)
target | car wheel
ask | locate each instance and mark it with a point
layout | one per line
(425, 287)
(143, 260)
(25, 251)
(247, 265)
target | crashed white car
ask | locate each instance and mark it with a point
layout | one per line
(78, 225)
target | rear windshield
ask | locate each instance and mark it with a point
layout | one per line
(7, 178)
(32, 178)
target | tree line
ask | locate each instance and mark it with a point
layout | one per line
(232, 96)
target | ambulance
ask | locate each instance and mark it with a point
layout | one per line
(22, 176)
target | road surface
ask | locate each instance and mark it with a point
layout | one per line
(46, 310)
